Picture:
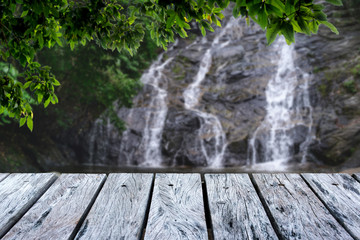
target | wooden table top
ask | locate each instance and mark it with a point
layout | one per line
(179, 206)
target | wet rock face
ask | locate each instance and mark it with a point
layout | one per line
(335, 90)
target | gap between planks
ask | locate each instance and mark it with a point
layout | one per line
(207, 208)
(3, 176)
(356, 176)
(148, 208)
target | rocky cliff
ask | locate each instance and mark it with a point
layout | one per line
(335, 92)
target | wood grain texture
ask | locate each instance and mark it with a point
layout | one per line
(297, 212)
(341, 194)
(119, 211)
(3, 176)
(18, 192)
(177, 209)
(56, 214)
(235, 208)
(356, 176)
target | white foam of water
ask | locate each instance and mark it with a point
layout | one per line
(156, 114)
(286, 98)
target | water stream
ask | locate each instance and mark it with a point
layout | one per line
(155, 117)
(288, 116)
(210, 129)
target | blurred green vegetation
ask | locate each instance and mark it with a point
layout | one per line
(92, 78)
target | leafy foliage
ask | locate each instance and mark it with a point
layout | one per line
(92, 79)
(27, 26)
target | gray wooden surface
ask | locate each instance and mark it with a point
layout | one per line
(18, 192)
(357, 176)
(177, 210)
(236, 210)
(3, 176)
(341, 194)
(56, 214)
(297, 212)
(120, 208)
(128, 206)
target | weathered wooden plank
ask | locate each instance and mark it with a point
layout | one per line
(356, 176)
(177, 209)
(235, 208)
(56, 214)
(18, 192)
(297, 212)
(341, 194)
(3, 176)
(119, 211)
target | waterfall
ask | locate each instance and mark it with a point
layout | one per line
(154, 118)
(174, 121)
(156, 115)
(289, 115)
(211, 128)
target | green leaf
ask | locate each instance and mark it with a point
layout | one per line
(240, 3)
(220, 15)
(224, 3)
(131, 20)
(56, 83)
(22, 121)
(171, 20)
(40, 97)
(236, 12)
(290, 8)
(332, 27)
(271, 32)
(59, 41)
(273, 10)
(203, 31)
(314, 26)
(278, 4)
(12, 7)
(56, 98)
(23, 60)
(262, 17)
(306, 12)
(211, 3)
(24, 13)
(287, 30)
(46, 103)
(335, 2)
(318, 7)
(27, 84)
(72, 45)
(29, 123)
(181, 22)
(303, 26)
(320, 16)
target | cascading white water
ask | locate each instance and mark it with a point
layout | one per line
(156, 115)
(288, 106)
(211, 128)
